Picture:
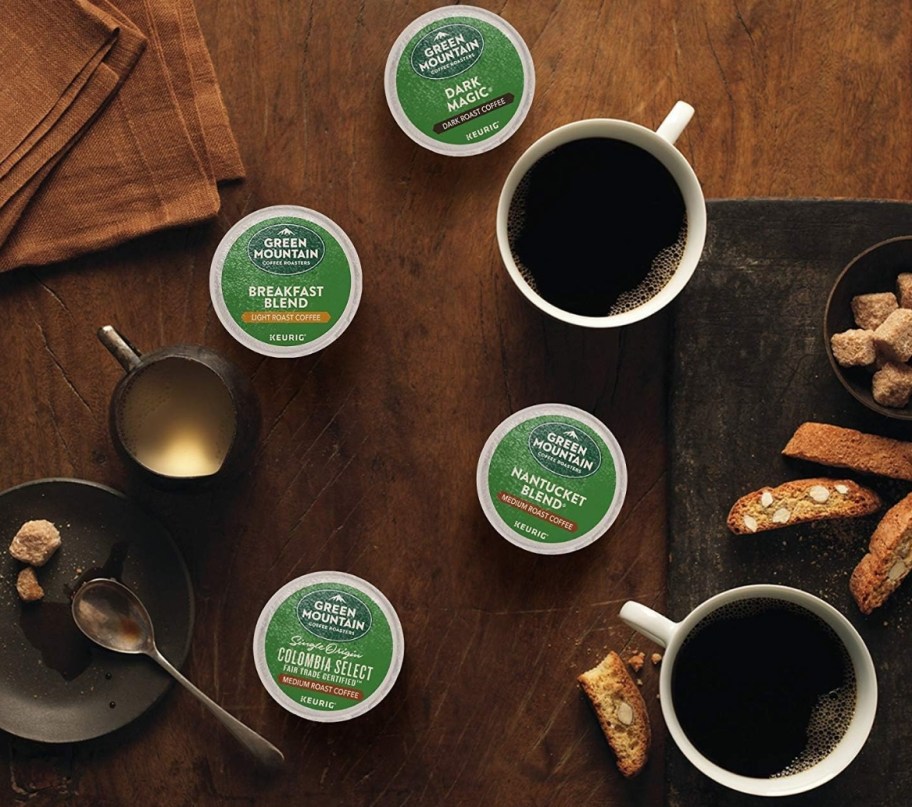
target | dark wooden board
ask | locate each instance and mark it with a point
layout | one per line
(749, 366)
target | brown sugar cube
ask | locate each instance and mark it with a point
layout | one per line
(854, 348)
(27, 586)
(904, 289)
(35, 542)
(893, 338)
(870, 310)
(893, 385)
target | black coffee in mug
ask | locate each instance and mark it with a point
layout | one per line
(763, 688)
(597, 226)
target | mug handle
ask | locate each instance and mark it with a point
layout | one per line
(648, 622)
(128, 356)
(675, 122)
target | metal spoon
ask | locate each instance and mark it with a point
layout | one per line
(111, 615)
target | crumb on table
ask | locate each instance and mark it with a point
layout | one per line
(637, 660)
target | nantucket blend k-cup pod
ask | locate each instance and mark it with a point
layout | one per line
(459, 80)
(328, 646)
(551, 479)
(285, 281)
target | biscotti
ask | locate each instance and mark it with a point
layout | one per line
(801, 501)
(888, 560)
(848, 448)
(621, 712)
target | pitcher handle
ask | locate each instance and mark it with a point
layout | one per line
(128, 356)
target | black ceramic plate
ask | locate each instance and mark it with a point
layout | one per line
(55, 685)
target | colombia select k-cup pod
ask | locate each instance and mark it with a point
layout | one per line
(459, 80)
(551, 479)
(328, 646)
(285, 281)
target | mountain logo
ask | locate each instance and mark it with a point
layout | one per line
(286, 249)
(447, 51)
(568, 452)
(329, 614)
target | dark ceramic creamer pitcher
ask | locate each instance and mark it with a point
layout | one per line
(182, 416)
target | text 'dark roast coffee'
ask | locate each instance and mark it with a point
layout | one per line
(597, 226)
(763, 688)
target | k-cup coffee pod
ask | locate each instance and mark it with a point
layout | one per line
(551, 479)
(285, 281)
(459, 80)
(328, 646)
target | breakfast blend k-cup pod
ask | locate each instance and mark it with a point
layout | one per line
(285, 281)
(328, 646)
(551, 479)
(459, 80)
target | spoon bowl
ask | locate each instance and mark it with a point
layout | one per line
(111, 615)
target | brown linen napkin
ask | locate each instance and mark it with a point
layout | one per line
(80, 69)
(107, 154)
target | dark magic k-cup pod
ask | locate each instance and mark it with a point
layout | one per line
(459, 80)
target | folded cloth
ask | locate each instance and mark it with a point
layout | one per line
(109, 142)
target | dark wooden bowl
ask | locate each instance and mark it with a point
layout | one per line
(874, 270)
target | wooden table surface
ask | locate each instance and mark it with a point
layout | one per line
(367, 457)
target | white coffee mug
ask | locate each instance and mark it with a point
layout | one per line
(672, 635)
(660, 144)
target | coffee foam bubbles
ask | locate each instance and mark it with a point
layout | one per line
(664, 265)
(829, 722)
(663, 268)
(516, 219)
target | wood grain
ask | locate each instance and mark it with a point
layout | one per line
(367, 458)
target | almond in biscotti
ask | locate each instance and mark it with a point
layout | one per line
(799, 502)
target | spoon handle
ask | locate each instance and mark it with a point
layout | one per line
(262, 749)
